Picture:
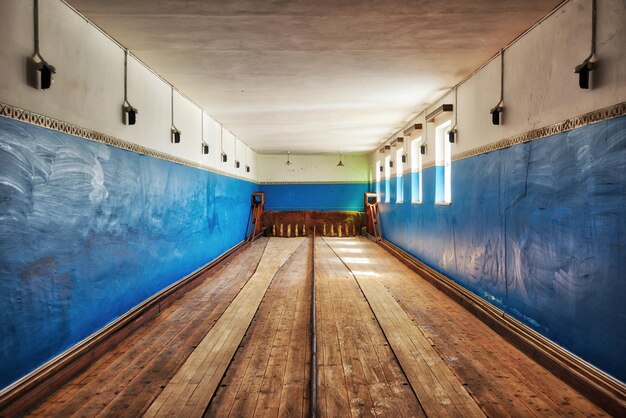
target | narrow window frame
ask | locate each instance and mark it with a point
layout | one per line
(416, 172)
(399, 176)
(378, 177)
(443, 164)
(387, 179)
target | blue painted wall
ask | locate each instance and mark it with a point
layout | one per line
(539, 230)
(327, 196)
(89, 231)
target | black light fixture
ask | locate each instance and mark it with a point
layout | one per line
(224, 156)
(587, 65)
(390, 163)
(452, 135)
(204, 146)
(237, 164)
(423, 149)
(245, 158)
(496, 112)
(381, 169)
(452, 132)
(340, 164)
(404, 157)
(176, 134)
(129, 113)
(288, 162)
(40, 72)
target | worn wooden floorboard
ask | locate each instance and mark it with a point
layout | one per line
(359, 375)
(503, 380)
(439, 391)
(439, 344)
(137, 369)
(188, 393)
(269, 373)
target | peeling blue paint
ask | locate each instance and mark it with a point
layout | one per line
(317, 196)
(89, 231)
(539, 230)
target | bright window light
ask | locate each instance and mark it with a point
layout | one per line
(416, 171)
(443, 165)
(387, 179)
(366, 273)
(378, 178)
(399, 176)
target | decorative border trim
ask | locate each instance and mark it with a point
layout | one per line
(596, 116)
(590, 118)
(262, 183)
(22, 115)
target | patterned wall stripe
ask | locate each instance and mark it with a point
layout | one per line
(16, 113)
(13, 112)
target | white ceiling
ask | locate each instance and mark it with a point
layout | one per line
(314, 76)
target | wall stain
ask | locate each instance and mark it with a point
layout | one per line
(88, 231)
(539, 230)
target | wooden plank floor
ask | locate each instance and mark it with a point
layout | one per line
(358, 374)
(438, 389)
(363, 369)
(189, 392)
(502, 380)
(125, 381)
(269, 375)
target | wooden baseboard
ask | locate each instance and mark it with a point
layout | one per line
(599, 387)
(29, 391)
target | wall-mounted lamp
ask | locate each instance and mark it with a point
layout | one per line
(237, 164)
(404, 158)
(340, 164)
(129, 113)
(224, 156)
(176, 134)
(288, 162)
(453, 131)
(423, 149)
(204, 145)
(247, 168)
(40, 72)
(452, 136)
(496, 112)
(390, 163)
(583, 70)
(381, 169)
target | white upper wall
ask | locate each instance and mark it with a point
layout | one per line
(88, 88)
(313, 168)
(540, 86)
